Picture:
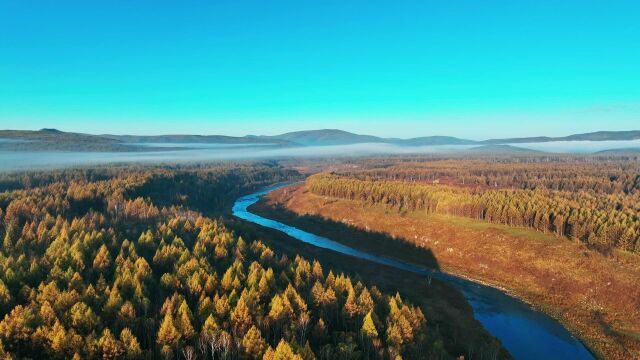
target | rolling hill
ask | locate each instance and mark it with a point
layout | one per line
(594, 136)
(325, 137)
(56, 140)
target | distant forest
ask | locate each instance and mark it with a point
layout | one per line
(596, 202)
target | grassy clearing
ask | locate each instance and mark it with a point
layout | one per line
(468, 223)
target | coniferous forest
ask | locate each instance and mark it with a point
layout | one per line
(596, 202)
(302, 180)
(561, 231)
(127, 262)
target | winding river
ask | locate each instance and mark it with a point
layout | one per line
(524, 332)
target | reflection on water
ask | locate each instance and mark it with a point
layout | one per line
(526, 333)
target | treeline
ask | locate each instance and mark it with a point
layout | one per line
(599, 219)
(207, 188)
(599, 176)
(247, 173)
(99, 269)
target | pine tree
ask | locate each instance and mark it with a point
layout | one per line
(317, 271)
(210, 327)
(276, 311)
(368, 327)
(241, 317)
(58, 339)
(184, 321)
(253, 343)
(9, 238)
(285, 352)
(307, 352)
(5, 295)
(365, 302)
(3, 353)
(102, 261)
(168, 335)
(130, 344)
(227, 279)
(83, 318)
(16, 326)
(394, 336)
(109, 346)
(317, 293)
(350, 306)
(47, 314)
(269, 354)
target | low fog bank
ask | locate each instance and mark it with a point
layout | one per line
(580, 147)
(27, 160)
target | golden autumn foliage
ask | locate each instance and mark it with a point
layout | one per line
(103, 264)
(601, 219)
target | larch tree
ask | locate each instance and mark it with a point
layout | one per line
(253, 343)
(130, 344)
(102, 261)
(369, 327)
(109, 346)
(184, 321)
(241, 316)
(168, 336)
(284, 352)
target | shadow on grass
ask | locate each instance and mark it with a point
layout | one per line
(377, 243)
(449, 315)
(447, 311)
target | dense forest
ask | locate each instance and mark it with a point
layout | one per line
(124, 263)
(598, 204)
(613, 176)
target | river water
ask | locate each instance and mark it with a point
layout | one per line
(524, 332)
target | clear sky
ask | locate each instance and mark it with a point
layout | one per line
(468, 68)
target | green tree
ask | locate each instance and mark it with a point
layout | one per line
(83, 318)
(5, 295)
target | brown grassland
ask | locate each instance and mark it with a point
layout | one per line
(595, 295)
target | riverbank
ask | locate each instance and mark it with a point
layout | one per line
(593, 295)
(447, 311)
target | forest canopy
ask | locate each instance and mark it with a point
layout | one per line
(124, 263)
(596, 203)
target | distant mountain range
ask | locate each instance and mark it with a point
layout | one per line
(52, 139)
(594, 136)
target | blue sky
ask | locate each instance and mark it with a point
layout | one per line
(468, 68)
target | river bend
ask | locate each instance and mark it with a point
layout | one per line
(525, 332)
